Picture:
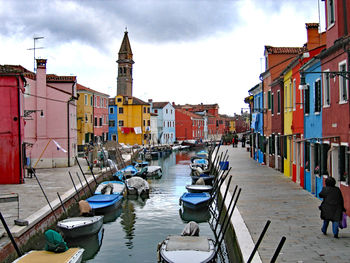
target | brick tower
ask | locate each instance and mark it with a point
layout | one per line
(124, 79)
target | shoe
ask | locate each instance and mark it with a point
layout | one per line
(336, 236)
(325, 233)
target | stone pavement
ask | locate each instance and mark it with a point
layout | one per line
(31, 198)
(268, 195)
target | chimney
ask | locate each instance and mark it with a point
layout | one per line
(150, 100)
(313, 37)
(41, 91)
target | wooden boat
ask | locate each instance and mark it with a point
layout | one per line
(101, 204)
(137, 186)
(186, 249)
(75, 227)
(198, 215)
(202, 154)
(195, 200)
(110, 187)
(193, 188)
(72, 255)
(208, 179)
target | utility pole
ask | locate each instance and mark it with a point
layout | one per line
(34, 48)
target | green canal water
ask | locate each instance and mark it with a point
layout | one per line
(132, 233)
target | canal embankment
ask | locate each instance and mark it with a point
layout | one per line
(268, 195)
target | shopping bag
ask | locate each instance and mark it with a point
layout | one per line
(343, 223)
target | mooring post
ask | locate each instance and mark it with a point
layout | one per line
(280, 245)
(76, 191)
(64, 209)
(259, 241)
(19, 253)
(45, 195)
(81, 183)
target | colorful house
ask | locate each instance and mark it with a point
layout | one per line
(133, 120)
(335, 62)
(154, 129)
(113, 120)
(165, 121)
(12, 146)
(100, 117)
(189, 126)
(50, 131)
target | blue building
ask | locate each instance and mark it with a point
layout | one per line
(113, 120)
(315, 159)
(165, 121)
(258, 143)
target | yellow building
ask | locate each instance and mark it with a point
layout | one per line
(134, 120)
(288, 119)
(84, 115)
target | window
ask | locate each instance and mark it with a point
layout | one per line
(166, 111)
(307, 99)
(86, 118)
(111, 110)
(343, 85)
(285, 98)
(101, 121)
(121, 110)
(290, 96)
(330, 13)
(326, 90)
(269, 99)
(148, 110)
(285, 138)
(272, 106)
(155, 111)
(86, 99)
(294, 95)
(95, 124)
(278, 101)
(111, 123)
(101, 105)
(144, 122)
(95, 101)
(144, 109)
(318, 96)
(343, 163)
(148, 123)
(119, 99)
(91, 100)
(120, 123)
(317, 157)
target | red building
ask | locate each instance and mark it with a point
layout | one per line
(335, 118)
(188, 125)
(11, 134)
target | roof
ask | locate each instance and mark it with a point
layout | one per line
(197, 107)
(9, 69)
(83, 88)
(284, 50)
(135, 101)
(159, 105)
(125, 46)
(190, 114)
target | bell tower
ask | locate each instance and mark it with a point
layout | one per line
(125, 62)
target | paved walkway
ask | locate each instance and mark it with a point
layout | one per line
(269, 195)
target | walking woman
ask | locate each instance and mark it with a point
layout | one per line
(332, 206)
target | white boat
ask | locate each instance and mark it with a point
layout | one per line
(72, 255)
(110, 187)
(80, 226)
(195, 188)
(154, 171)
(187, 249)
(137, 186)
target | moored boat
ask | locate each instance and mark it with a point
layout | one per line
(75, 227)
(137, 186)
(110, 187)
(208, 179)
(126, 172)
(194, 188)
(154, 171)
(101, 204)
(186, 249)
(72, 255)
(195, 200)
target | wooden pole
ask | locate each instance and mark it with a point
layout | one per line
(42, 153)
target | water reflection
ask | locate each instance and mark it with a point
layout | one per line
(128, 220)
(91, 244)
(112, 215)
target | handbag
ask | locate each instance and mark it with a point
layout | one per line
(343, 223)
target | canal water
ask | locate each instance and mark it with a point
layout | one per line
(132, 233)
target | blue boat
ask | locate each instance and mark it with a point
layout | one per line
(126, 172)
(195, 200)
(101, 204)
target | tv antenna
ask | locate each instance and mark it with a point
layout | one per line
(34, 48)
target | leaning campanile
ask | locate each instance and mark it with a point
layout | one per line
(124, 79)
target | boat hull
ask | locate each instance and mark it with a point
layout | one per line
(208, 179)
(195, 201)
(199, 188)
(102, 204)
(80, 226)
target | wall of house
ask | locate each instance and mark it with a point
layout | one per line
(84, 126)
(183, 126)
(288, 119)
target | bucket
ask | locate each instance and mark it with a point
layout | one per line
(224, 165)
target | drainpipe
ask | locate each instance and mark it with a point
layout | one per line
(68, 126)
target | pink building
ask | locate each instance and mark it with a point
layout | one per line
(100, 116)
(50, 118)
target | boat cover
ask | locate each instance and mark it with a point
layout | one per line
(110, 187)
(187, 243)
(55, 242)
(102, 198)
(42, 256)
(140, 184)
(191, 229)
(195, 198)
(75, 222)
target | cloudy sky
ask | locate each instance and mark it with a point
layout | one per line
(185, 51)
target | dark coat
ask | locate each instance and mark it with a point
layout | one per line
(332, 206)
